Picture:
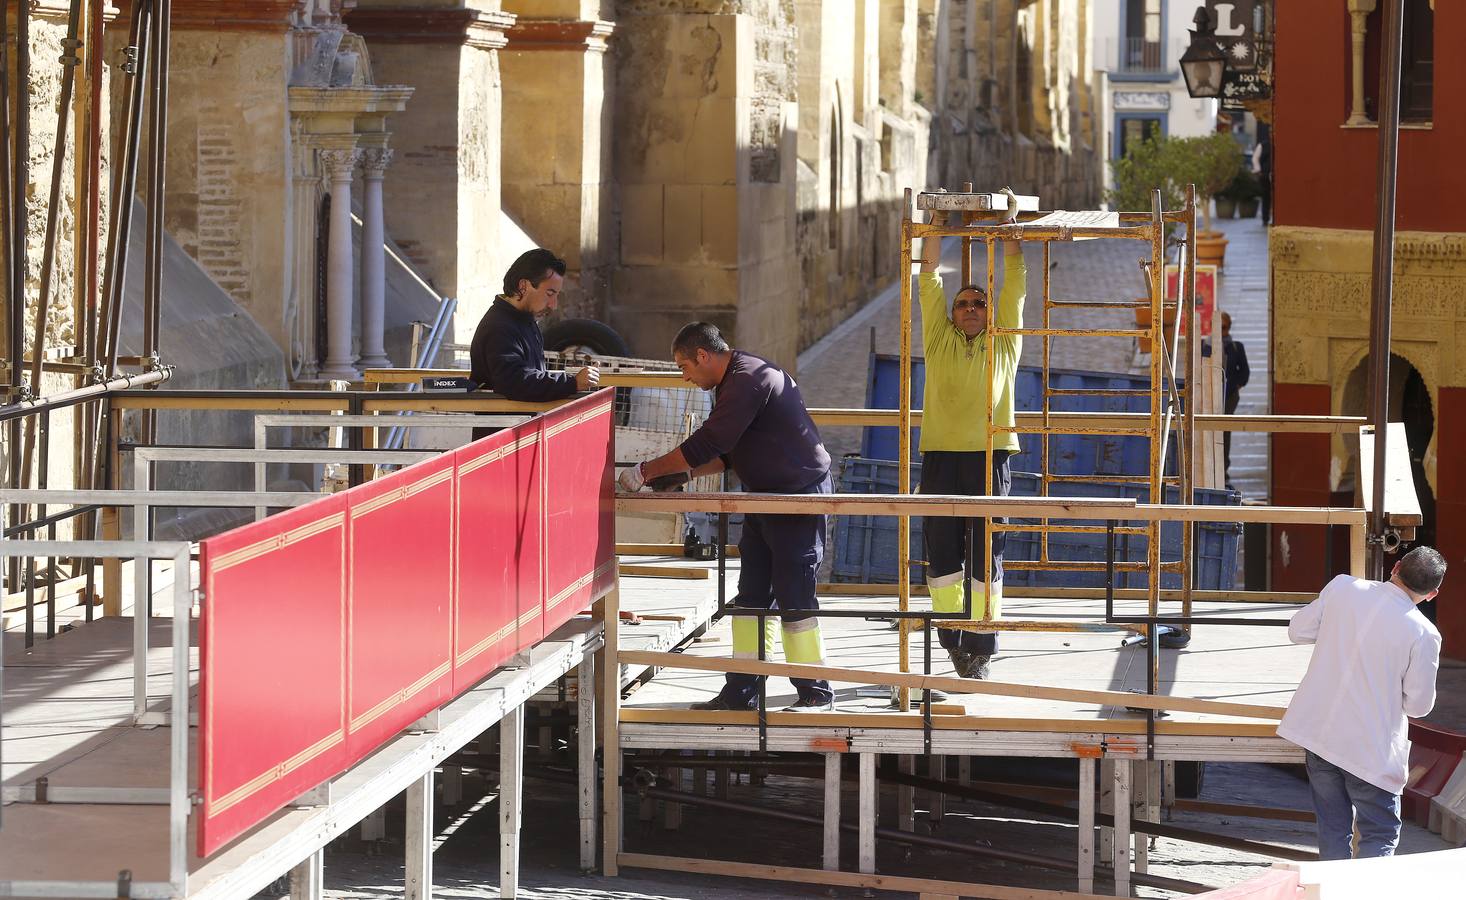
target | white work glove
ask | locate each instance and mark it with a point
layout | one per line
(631, 479)
(1012, 205)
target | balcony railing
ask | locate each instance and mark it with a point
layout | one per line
(1138, 56)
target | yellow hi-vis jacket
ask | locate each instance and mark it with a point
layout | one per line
(955, 409)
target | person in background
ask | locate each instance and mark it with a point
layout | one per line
(1235, 374)
(1374, 664)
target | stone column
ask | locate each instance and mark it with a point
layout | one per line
(339, 165)
(373, 260)
(1359, 11)
(557, 190)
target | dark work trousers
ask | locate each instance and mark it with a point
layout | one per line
(1234, 398)
(952, 472)
(779, 565)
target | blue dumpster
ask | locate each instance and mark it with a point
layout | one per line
(1074, 454)
(865, 546)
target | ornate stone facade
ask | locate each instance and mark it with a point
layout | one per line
(1321, 310)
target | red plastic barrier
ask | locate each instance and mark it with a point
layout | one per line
(272, 665)
(400, 639)
(329, 628)
(500, 547)
(580, 539)
(1434, 754)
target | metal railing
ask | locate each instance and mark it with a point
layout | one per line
(1140, 56)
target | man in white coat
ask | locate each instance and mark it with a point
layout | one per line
(1374, 663)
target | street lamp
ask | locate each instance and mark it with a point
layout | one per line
(1203, 63)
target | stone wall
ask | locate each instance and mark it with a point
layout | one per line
(699, 238)
(1013, 97)
(228, 173)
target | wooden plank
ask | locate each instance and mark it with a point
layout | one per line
(970, 506)
(1032, 421)
(162, 400)
(64, 589)
(689, 572)
(845, 879)
(1071, 593)
(879, 505)
(609, 666)
(833, 786)
(1402, 505)
(869, 809)
(956, 685)
(663, 550)
(912, 721)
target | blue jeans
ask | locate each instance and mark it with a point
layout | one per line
(1339, 799)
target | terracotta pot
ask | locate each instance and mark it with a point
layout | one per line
(1247, 209)
(1211, 248)
(1226, 207)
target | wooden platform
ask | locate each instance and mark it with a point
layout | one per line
(1245, 664)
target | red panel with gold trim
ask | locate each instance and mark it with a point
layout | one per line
(499, 529)
(400, 642)
(580, 539)
(273, 654)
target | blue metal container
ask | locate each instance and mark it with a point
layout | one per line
(1076, 454)
(865, 546)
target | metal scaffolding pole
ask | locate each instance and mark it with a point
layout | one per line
(1382, 273)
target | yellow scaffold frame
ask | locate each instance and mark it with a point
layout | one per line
(1170, 399)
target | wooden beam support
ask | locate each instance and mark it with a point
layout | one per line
(974, 506)
(913, 721)
(845, 879)
(918, 682)
(691, 573)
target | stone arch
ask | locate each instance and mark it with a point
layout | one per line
(1345, 364)
(1412, 401)
(837, 147)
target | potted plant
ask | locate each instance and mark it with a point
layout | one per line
(1169, 164)
(1249, 196)
(1210, 162)
(1236, 190)
(1145, 167)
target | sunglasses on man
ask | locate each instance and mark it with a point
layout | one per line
(977, 303)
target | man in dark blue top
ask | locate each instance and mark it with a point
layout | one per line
(760, 429)
(508, 350)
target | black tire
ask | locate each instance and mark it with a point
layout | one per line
(594, 337)
(597, 339)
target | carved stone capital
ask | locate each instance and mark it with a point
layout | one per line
(375, 160)
(340, 164)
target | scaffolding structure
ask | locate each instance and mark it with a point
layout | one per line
(1170, 394)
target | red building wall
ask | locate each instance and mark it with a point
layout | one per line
(1324, 174)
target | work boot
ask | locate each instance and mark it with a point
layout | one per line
(979, 668)
(811, 704)
(720, 704)
(961, 661)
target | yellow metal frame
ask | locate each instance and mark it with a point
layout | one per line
(1168, 400)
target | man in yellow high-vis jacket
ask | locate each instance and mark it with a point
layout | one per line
(954, 434)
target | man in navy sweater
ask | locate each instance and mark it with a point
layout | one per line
(760, 429)
(508, 350)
